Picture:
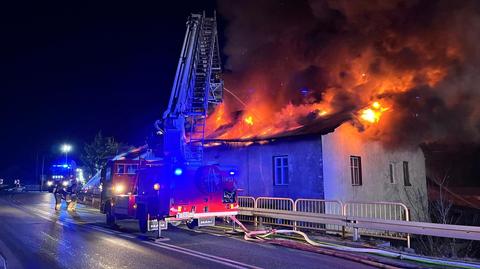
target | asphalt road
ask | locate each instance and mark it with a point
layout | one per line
(33, 235)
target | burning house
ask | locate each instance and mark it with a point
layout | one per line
(325, 160)
(332, 99)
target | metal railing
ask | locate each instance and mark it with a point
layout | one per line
(320, 207)
(377, 219)
(378, 210)
(276, 204)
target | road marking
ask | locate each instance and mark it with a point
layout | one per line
(201, 255)
(100, 229)
(126, 235)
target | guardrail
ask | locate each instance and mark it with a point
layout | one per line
(273, 203)
(318, 206)
(377, 219)
(378, 210)
(89, 199)
(410, 227)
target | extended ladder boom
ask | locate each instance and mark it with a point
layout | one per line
(197, 84)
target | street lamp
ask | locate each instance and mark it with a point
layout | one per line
(66, 148)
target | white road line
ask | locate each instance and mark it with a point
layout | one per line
(201, 255)
(100, 229)
(126, 235)
(216, 258)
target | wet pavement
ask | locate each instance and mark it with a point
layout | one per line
(34, 235)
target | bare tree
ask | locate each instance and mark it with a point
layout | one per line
(440, 210)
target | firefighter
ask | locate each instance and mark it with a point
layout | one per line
(59, 193)
(71, 197)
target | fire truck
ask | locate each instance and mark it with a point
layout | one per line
(178, 185)
(60, 174)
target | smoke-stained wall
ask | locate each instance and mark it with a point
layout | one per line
(375, 165)
(255, 165)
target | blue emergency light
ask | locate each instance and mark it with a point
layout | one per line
(178, 171)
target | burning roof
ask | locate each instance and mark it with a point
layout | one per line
(317, 126)
(405, 71)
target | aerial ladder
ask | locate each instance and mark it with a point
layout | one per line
(181, 186)
(196, 89)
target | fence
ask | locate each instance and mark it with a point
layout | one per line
(90, 199)
(324, 208)
(331, 207)
(378, 210)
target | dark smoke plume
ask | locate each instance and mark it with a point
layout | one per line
(420, 57)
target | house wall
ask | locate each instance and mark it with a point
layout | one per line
(344, 142)
(255, 165)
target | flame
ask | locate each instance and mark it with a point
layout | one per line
(249, 120)
(373, 113)
(367, 95)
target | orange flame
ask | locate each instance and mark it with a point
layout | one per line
(249, 120)
(373, 113)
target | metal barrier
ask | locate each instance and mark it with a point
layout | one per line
(276, 204)
(318, 206)
(89, 199)
(421, 228)
(375, 210)
(246, 203)
(378, 210)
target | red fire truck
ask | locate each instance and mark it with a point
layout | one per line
(155, 191)
(178, 184)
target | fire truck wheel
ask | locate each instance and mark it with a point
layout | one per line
(192, 224)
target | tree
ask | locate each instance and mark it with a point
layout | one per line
(96, 154)
(442, 210)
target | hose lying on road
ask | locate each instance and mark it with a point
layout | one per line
(262, 236)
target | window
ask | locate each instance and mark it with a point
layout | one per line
(406, 174)
(131, 168)
(392, 172)
(120, 169)
(280, 170)
(356, 170)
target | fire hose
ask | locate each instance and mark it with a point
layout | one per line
(262, 235)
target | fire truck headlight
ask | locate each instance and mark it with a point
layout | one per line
(65, 183)
(49, 183)
(119, 188)
(156, 186)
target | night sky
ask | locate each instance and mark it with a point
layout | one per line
(69, 69)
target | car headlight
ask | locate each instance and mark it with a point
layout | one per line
(49, 183)
(65, 183)
(119, 188)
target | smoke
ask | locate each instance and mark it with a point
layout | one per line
(419, 59)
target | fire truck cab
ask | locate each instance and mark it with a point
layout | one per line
(159, 191)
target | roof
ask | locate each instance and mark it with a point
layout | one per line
(319, 126)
